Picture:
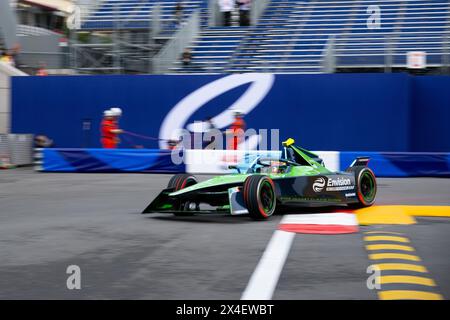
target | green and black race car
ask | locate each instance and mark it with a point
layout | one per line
(297, 178)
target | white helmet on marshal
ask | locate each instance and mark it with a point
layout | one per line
(108, 113)
(238, 112)
(117, 112)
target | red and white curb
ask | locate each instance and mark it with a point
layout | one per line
(264, 279)
(321, 223)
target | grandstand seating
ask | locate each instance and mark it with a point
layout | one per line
(136, 14)
(292, 35)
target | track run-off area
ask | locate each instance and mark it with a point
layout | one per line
(397, 249)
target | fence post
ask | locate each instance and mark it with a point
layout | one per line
(156, 20)
(215, 18)
(117, 26)
(257, 10)
(388, 58)
(329, 56)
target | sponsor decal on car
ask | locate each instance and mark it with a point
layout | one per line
(349, 195)
(319, 184)
(330, 184)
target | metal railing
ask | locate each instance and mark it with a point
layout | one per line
(172, 50)
(16, 149)
(390, 50)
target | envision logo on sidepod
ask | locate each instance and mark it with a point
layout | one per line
(319, 184)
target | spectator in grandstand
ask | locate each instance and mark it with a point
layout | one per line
(109, 130)
(236, 131)
(226, 7)
(244, 12)
(178, 12)
(186, 57)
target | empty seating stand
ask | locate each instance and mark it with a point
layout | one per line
(295, 40)
(292, 36)
(136, 14)
(405, 26)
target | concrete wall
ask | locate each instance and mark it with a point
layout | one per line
(6, 72)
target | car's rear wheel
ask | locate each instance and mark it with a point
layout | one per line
(259, 197)
(366, 186)
(181, 181)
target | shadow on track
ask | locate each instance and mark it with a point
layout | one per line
(241, 219)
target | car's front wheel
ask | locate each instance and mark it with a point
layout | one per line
(181, 181)
(259, 196)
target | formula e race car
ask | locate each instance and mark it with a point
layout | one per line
(297, 178)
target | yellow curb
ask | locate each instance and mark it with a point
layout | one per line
(384, 215)
(386, 238)
(383, 232)
(371, 247)
(407, 279)
(399, 256)
(407, 294)
(428, 211)
(400, 266)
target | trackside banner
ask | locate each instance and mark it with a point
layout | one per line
(384, 164)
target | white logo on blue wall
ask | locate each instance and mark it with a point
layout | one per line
(177, 118)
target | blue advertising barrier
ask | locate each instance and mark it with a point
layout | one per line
(402, 164)
(369, 112)
(384, 164)
(387, 114)
(108, 161)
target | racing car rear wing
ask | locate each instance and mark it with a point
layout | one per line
(360, 161)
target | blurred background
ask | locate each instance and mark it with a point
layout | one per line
(374, 72)
(226, 36)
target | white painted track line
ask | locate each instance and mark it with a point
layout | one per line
(264, 279)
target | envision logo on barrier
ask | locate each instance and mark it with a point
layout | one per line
(177, 118)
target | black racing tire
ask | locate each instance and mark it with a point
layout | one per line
(259, 196)
(181, 181)
(366, 186)
(178, 182)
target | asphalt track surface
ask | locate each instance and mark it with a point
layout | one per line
(51, 221)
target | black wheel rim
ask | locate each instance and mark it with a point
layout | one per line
(367, 186)
(267, 197)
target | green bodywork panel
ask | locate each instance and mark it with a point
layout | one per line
(314, 168)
